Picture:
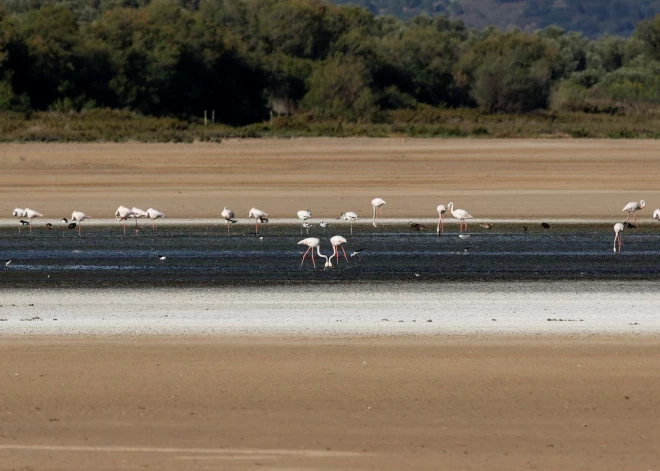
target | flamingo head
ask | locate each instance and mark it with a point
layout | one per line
(450, 206)
(642, 204)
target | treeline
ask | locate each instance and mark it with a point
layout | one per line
(309, 60)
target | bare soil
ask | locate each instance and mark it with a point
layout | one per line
(490, 178)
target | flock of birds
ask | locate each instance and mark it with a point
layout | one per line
(123, 214)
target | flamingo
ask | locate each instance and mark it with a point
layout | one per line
(349, 216)
(122, 214)
(259, 217)
(19, 213)
(632, 207)
(618, 229)
(137, 214)
(31, 214)
(228, 214)
(656, 214)
(314, 243)
(154, 214)
(461, 215)
(377, 204)
(336, 242)
(80, 217)
(441, 220)
(304, 214)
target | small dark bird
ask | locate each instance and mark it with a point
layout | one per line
(72, 225)
(49, 226)
(65, 221)
(630, 225)
(466, 250)
(524, 228)
(8, 263)
(545, 225)
(486, 225)
(24, 223)
(417, 227)
(356, 253)
(162, 258)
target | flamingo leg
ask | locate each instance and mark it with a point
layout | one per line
(79, 230)
(30, 226)
(136, 228)
(304, 255)
(124, 226)
(313, 262)
(442, 225)
(620, 242)
(628, 216)
(153, 224)
(351, 229)
(465, 222)
(345, 256)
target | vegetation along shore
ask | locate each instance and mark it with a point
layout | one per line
(179, 71)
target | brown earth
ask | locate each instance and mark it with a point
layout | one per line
(291, 404)
(490, 178)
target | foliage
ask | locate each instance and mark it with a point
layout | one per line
(311, 64)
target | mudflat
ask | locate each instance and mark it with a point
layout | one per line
(319, 403)
(514, 178)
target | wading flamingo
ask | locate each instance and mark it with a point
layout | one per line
(377, 204)
(137, 214)
(304, 214)
(31, 214)
(656, 214)
(618, 229)
(19, 213)
(461, 215)
(349, 216)
(633, 207)
(337, 242)
(79, 216)
(154, 214)
(314, 243)
(228, 215)
(259, 217)
(122, 214)
(441, 219)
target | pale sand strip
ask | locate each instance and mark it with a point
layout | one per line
(339, 310)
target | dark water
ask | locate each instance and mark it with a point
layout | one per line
(205, 256)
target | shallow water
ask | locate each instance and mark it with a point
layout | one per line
(204, 255)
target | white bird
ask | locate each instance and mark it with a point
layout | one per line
(632, 207)
(314, 243)
(356, 253)
(31, 214)
(377, 204)
(162, 258)
(349, 216)
(137, 214)
(79, 216)
(461, 215)
(304, 214)
(154, 214)
(441, 218)
(19, 213)
(656, 214)
(259, 217)
(122, 214)
(618, 229)
(228, 215)
(324, 225)
(8, 263)
(337, 242)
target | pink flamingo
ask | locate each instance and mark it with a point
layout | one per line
(337, 242)
(441, 221)
(313, 243)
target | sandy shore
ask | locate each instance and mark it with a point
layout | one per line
(519, 179)
(387, 403)
(369, 309)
